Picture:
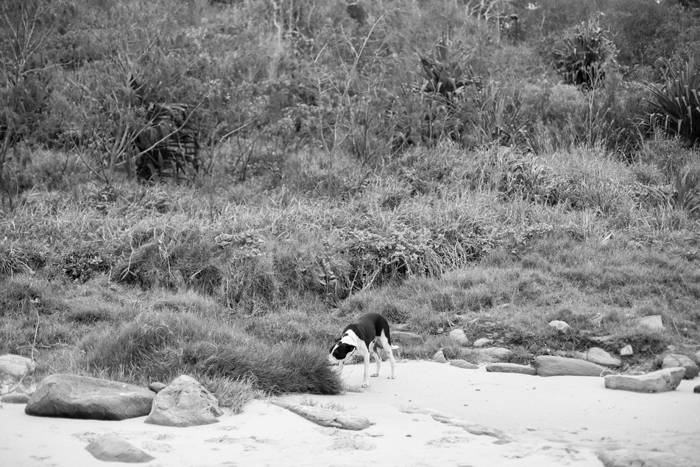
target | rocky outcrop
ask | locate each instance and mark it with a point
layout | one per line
(72, 396)
(510, 368)
(657, 381)
(465, 365)
(184, 402)
(458, 336)
(326, 417)
(682, 361)
(548, 365)
(112, 448)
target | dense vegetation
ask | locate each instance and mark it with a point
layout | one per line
(486, 165)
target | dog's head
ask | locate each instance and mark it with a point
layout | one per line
(344, 348)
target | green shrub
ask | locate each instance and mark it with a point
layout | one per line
(675, 106)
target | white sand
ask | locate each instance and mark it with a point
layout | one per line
(557, 421)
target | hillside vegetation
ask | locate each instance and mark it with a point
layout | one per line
(217, 188)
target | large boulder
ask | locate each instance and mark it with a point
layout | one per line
(184, 402)
(510, 368)
(112, 448)
(678, 360)
(548, 365)
(657, 381)
(72, 396)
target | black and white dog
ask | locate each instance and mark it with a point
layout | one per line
(362, 337)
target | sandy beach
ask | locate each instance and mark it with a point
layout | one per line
(418, 420)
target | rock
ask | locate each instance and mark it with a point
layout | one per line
(484, 341)
(696, 389)
(326, 417)
(74, 396)
(439, 357)
(458, 336)
(652, 322)
(156, 387)
(16, 366)
(678, 360)
(13, 370)
(496, 352)
(14, 398)
(630, 458)
(601, 357)
(406, 337)
(547, 365)
(697, 357)
(561, 326)
(626, 351)
(464, 364)
(510, 368)
(657, 381)
(112, 448)
(184, 402)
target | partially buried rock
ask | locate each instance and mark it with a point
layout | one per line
(184, 402)
(652, 322)
(601, 357)
(678, 360)
(439, 357)
(406, 337)
(484, 341)
(510, 368)
(326, 417)
(464, 364)
(72, 396)
(14, 398)
(657, 381)
(112, 448)
(548, 365)
(458, 336)
(561, 326)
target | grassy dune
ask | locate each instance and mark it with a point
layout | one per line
(335, 181)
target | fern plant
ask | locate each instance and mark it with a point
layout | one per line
(675, 106)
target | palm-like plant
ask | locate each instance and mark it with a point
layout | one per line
(676, 105)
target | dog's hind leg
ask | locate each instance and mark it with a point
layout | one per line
(377, 358)
(389, 350)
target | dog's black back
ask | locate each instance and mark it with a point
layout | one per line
(370, 326)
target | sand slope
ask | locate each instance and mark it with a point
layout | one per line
(419, 420)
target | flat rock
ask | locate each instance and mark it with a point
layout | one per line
(112, 448)
(548, 365)
(657, 381)
(184, 402)
(464, 364)
(679, 360)
(626, 351)
(439, 357)
(449, 419)
(652, 322)
(326, 417)
(406, 337)
(484, 341)
(510, 368)
(15, 398)
(72, 396)
(458, 336)
(561, 326)
(631, 458)
(601, 357)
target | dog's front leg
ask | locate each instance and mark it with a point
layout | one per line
(365, 382)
